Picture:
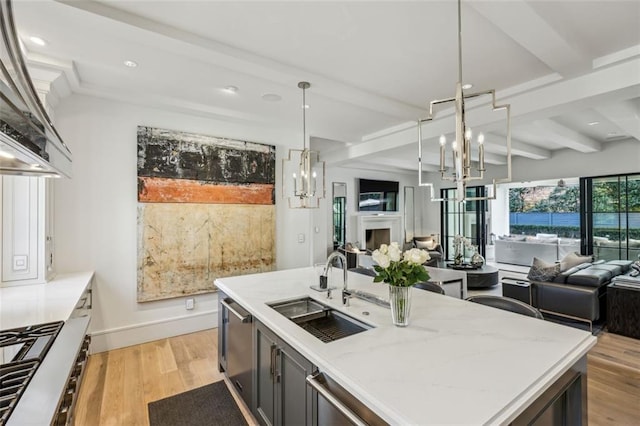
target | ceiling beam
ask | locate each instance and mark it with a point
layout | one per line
(625, 115)
(533, 33)
(617, 82)
(519, 148)
(567, 136)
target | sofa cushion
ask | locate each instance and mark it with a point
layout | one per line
(624, 264)
(426, 245)
(613, 269)
(543, 271)
(589, 277)
(547, 236)
(573, 259)
(562, 276)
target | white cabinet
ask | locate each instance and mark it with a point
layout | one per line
(27, 230)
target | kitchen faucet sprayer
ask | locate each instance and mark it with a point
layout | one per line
(343, 261)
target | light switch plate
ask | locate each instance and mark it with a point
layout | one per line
(20, 262)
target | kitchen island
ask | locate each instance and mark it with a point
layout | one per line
(457, 362)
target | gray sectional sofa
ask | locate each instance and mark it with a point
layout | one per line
(578, 293)
(520, 250)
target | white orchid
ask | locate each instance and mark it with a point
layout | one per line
(460, 240)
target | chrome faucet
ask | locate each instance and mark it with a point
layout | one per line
(343, 260)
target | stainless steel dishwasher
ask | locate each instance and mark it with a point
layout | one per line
(236, 346)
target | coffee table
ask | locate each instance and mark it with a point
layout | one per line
(484, 277)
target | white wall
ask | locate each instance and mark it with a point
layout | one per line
(95, 212)
(95, 216)
(323, 241)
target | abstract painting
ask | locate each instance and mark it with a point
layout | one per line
(206, 209)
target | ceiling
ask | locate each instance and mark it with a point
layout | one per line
(373, 66)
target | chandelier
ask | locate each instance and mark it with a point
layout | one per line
(462, 143)
(302, 171)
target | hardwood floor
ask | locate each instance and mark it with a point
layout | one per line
(119, 384)
(613, 377)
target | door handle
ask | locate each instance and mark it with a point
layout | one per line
(242, 318)
(276, 369)
(315, 383)
(272, 366)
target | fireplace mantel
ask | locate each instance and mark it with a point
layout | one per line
(383, 221)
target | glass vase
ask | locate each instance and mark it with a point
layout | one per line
(457, 255)
(477, 260)
(400, 300)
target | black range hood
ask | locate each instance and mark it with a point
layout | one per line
(29, 143)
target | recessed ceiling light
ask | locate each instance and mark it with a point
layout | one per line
(467, 86)
(593, 123)
(38, 41)
(5, 154)
(230, 89)
(130, 64)
(271, 97)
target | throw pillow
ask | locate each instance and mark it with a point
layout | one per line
(429, 244)
(573, 259)
(543, 271)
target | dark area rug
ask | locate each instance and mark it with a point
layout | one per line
(209, 405)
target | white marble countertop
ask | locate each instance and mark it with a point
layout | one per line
(456, 363)
(23, 305)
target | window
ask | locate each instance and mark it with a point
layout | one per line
(339, 225)
(611, 216)
(545, 209)
(467, 219)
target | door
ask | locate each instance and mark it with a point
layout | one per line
(295, 397)
(266, 345)
(467, 219)
(282, 396)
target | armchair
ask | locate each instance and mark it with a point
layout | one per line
(431, 244)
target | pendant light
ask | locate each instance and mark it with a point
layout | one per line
(461, 141)
(302, 171)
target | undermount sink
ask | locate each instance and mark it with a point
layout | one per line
(320, 320)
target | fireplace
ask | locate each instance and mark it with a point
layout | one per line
(374, 230)
(375, 237)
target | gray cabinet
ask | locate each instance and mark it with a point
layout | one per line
(282, 396)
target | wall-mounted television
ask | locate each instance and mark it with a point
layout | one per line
(377, 195)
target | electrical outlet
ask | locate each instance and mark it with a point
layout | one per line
(190, 303)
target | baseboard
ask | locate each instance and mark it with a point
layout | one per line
(115, 338)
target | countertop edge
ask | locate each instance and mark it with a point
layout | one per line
(525, 399)
(517, 405)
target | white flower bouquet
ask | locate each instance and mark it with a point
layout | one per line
(400, 269)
